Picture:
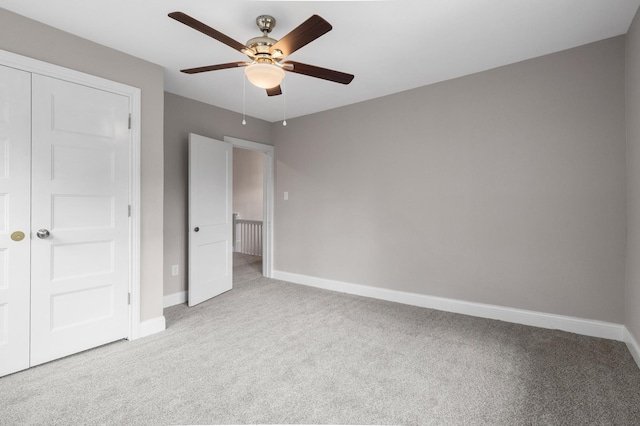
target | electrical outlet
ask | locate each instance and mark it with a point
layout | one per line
(174, 270)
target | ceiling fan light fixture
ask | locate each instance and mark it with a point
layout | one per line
(264, 76)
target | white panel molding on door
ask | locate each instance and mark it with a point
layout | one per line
(15, 200)
(210, 218)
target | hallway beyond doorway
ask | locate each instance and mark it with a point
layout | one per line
(246, 267)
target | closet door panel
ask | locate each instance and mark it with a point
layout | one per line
(80, 271)
(15, 175)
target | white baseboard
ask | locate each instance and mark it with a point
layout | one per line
(633, 345)
(175, 299)
(152, 326)
(582, 326)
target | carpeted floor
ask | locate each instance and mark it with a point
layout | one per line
(272, 352)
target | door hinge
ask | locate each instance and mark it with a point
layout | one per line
(129, 121)
(128, 298)
(129, 211)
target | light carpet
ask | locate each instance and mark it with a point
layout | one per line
(271, 352)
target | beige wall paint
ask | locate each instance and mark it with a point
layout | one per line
(33, 39)
(632, 297)
(247, 183)
(505, 187)
(184, 116)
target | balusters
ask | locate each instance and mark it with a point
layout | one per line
(250, 236)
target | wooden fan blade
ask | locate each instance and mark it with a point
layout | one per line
(214, 67)
(205, 29)
(302, 35)
(274, 91)
(318, 72)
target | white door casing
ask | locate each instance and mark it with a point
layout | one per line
(80, 195)
(15, 174)
(210, 218)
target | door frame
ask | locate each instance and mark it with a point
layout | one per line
(36, 66)
(267, 193)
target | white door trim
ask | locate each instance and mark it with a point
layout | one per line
(267, 243)
(43, 68)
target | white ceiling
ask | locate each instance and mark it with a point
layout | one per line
(390, 46)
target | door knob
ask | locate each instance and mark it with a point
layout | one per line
(43, 233)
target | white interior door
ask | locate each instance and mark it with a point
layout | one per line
(80, 218)
(210, 220)
(15, 175)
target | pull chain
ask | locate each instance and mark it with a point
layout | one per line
(284, 102)
(244, 99)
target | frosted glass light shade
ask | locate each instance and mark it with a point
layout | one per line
(264, 76)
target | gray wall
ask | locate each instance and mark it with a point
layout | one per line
(184, 116)
(248, 173)
(30, 38)
(632, 297)
(504, 187)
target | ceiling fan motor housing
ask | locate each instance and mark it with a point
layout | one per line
(261, 44)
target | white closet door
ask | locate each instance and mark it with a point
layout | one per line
(80, 224)
(15, 171)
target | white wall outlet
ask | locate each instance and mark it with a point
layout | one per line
(286, 195)
(174, 270)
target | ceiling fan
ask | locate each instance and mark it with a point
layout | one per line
(267, 69)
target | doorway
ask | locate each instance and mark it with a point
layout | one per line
(211, 214)
(253, 154)
(248, 208)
